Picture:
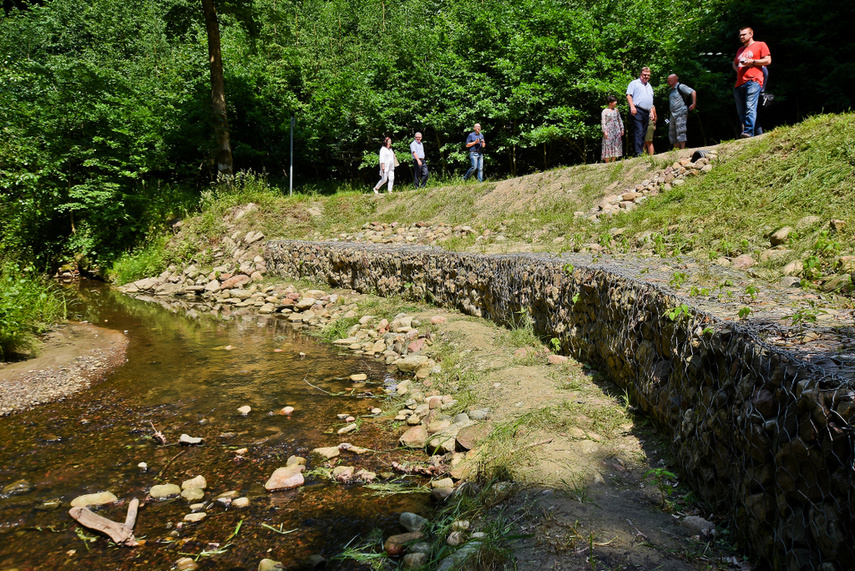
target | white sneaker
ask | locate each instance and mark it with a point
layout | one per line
(375, 191)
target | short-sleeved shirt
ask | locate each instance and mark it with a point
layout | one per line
(642, 94)
(473, 136)
(757, 50)
(675, 98)
(418, 149)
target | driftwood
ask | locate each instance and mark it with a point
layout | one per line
(121, 533)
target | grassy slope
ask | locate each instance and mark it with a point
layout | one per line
(756, 187)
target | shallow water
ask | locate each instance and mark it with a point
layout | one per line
(189, 374)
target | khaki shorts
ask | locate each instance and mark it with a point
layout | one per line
(651, 127)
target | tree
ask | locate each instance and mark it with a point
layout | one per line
(223, 149)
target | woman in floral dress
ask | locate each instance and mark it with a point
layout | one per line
(612, 131)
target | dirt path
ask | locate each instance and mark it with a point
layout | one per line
(72, 357)
(581, 459)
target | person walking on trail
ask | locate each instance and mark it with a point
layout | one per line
(748, 65)
(420, 169)
(679, 110)
(639, 95)
(387, 166)
(475, 143)
(612, 126)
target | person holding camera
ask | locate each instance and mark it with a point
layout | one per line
(748, 65)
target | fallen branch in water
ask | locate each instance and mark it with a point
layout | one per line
(158, 435)
(171, 460)
(120, 533)
(316, 387)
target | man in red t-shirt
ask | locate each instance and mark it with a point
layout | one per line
(748, 65)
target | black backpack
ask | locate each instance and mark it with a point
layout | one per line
(687, 98)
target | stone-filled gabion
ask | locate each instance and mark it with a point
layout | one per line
(763, 436)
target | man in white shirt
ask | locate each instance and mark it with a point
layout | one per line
(420, 170)
(639, 95)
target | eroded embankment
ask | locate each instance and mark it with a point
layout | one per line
(762, 434)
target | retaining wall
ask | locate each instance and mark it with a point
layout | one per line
(764, 437)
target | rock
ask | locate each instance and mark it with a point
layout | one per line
(186, 564)
(270, 565)
(842, 283)
(287, 410)
(20, 487)
(743, 262)
(326, 453)
(794, 268)
(556, 359)
(98, 499)
(241, 502)
(460, 525)
(212, 286)
(442, 483)
(790, 281)
(397, 544)
(292, 460)
(197, 482)
(837, 224)
(469, 436)
(286, 478)
(807, 222)
(163, 491)
(193, 494)
(437, 319)
(479, 414)
(348, 429)
(343, 473)
(188, 440)
(233, 282)
(411, 521)
(410, 363)
(359, 377)
(455, 538)
(697, 525)
(780, 236)
(414, 560)
(304, 303)
(415, 437)
(195, 517)
(438, 425)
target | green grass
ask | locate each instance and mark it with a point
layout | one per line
(756, 187)
(29, 305)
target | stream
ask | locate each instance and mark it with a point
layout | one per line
(188, 373)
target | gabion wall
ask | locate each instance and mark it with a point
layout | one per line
(763, 436)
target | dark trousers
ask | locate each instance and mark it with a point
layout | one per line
(420, 174)
(640, 121)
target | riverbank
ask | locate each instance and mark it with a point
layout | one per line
(72, 357)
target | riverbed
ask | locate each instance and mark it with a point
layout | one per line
(190, 373)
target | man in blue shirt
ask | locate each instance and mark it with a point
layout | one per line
(475, 143)
(420, 170)
(639, 95)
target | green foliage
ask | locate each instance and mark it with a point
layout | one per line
(678, 312)
(28, 306)
(744, 312)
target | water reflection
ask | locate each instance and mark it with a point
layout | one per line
(190, 374)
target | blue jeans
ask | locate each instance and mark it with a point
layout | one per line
(640, 121)
(746, 97)
(477, 164)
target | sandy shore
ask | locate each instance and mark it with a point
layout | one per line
(72, 357)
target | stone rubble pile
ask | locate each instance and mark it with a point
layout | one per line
(659, 182)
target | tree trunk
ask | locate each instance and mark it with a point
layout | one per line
(223, 152)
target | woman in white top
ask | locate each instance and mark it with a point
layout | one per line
(387, 165)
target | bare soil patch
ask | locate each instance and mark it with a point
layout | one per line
(581, 460)
(72, 357)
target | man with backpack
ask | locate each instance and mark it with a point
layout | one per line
(681, 100)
